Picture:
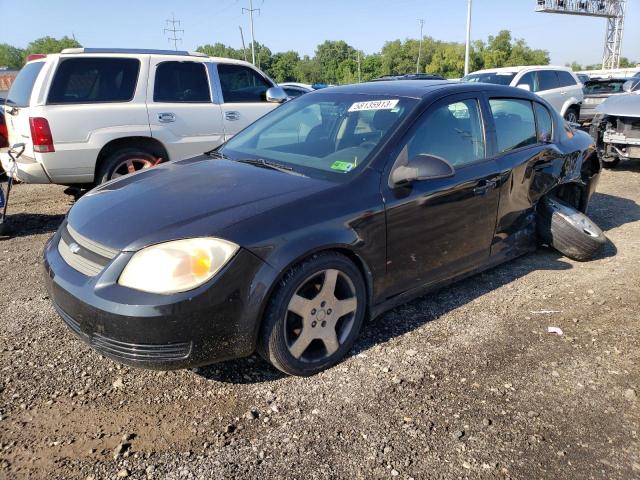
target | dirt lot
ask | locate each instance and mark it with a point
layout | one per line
(465, 383)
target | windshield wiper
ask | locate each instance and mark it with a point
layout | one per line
(262, 163)
(216, 154)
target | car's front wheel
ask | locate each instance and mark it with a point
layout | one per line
(314, 315)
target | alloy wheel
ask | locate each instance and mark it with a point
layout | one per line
(132, 165)
(320, 316)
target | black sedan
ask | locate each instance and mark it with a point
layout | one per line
(330, 209)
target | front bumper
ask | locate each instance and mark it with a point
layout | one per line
(217, 321)
(29, 169)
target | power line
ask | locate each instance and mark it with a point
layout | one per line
(173, 30)
(421, 22)
(253, 37)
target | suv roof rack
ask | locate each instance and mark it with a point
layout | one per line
(134, 50)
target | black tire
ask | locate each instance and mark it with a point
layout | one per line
(281, 327)
(568, 230)
(572, 115)
(610, 163)
(113, 165)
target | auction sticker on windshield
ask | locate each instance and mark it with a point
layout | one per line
(373, 105)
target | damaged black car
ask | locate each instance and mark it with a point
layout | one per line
(332, 208)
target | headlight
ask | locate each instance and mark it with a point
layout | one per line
(177, 266)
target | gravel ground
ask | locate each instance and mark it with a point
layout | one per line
(464, 383)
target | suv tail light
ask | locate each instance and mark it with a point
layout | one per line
(4, 134)
(41, 135)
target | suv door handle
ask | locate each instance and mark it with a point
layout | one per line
(166, 117)
(485, 187)
(232, 115)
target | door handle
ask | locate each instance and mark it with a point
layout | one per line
(232, 115)
(485, 187)
(166, 117)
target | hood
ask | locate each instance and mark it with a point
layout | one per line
(626, 105)
(187, 198)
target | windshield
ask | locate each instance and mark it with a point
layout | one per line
(321, 135)
(610, 86)
(498, 78)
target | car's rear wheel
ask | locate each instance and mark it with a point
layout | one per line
(124, 162)
(568, 230)
(314, 316)
(572, 115)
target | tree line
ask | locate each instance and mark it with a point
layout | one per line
(337, 62)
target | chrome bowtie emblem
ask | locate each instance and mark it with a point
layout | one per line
(74, 248)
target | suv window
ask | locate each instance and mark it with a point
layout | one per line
(529, 79)
(547, 80)
(242, 84)
(515, 124)
(181, 82)
(565, 79)
(544, 122)
(452, 131)
(89, 80)
(20, 92)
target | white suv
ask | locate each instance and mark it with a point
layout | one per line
(557, 85)
(89, 115)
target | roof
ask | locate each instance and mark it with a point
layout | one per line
(520, 68)
(421, 88)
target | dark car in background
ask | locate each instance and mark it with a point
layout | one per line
(597, 91)
(339, 205)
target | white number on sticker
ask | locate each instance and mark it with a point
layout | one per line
(374, 105)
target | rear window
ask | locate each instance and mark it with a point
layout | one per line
(547, 80)
(181, 82)
(566, 79)
(20, 92)
(94, 80)
(498, 78)
(609, 86)
(515, 123)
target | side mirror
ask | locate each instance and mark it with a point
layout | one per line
(421, 167)
(525, 86)
(276, 95)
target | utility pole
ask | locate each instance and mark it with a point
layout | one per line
(173, 30)
(244, 48)
(359, 69)
(253, 37)
(421, 21)
(468, 45)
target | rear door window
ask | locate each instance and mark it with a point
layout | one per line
(565, 79)
(94, 80)
(242, 84)
(181, 82)
(515, 123)
(547, 80)
(20, 92)
(544, 122)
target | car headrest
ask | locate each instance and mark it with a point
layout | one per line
(383, 119)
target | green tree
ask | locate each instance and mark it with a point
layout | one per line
(283, 66)
(335, 60)
(51, 45)
(11, 56)
(308, 71)
(221, 50)
(575, 66)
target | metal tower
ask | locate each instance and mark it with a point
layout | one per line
(612, 10)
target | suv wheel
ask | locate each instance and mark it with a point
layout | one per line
(124, 162)
(314, 316)
(571, 115)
